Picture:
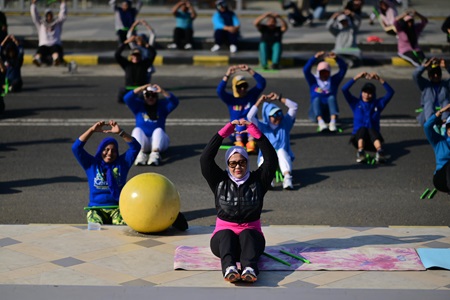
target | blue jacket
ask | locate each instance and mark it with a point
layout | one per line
(226, 18)
(99, 193)
(138, 107)
(432, 95)
(13, 66)
(367, 114)
(280, 136)
(439, 143)
(239, 107)
(314, 90)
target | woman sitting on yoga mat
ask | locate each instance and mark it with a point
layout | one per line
(239, 196)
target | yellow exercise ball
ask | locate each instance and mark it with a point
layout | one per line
(149, 202)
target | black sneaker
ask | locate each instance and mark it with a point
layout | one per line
(380, 157)
(2, 105)
(360, 156)
(180, 223)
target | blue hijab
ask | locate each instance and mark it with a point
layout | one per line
(108, 168)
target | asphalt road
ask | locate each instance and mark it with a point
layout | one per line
(41, 181)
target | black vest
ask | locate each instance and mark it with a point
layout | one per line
(241, 204)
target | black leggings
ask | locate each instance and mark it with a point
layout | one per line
(46, 52)
(441, 179)
(416, 58)
(182, 36)
(245, 248)
(369, 136)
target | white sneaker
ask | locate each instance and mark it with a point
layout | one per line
(249, 275)
(154, 159)
(287, 182)
(322, 126)
(172, 46)
(332, 126)
(233, 48)
(187, 46)
(232, 274)
(37, 61)
(141, 159)
(215, 48)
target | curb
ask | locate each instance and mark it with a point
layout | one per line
(218, 60)
(246, 44)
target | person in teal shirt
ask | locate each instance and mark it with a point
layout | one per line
(183, 34)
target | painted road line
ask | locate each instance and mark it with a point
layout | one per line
(172, 122)
(206, 60)
(80, 59)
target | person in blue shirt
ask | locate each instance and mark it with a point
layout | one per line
(124, 17)
(441, 148)
(323, 89)
(226, 27)
(183, 34)
(12, 57)
(277, 126)
(367, 110)
(435, 91)
(106, 171)
(150, 113)
(241, 100)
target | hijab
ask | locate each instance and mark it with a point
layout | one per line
(243, 152)
(108, 168)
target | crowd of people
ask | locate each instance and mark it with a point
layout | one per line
(239, 192)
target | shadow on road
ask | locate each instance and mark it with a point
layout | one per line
(13, 187)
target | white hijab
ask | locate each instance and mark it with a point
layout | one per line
(243, 152)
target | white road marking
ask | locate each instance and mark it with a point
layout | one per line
(172, 122)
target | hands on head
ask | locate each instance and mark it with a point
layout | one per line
(241, 122)
(442, 110)
(269, 97)
(235, 68)
(412, 12)
(435, 61)
(113, 127)
(323, 54)
(369, 76)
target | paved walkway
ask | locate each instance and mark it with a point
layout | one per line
(65, 256)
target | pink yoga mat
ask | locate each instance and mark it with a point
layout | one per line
(366, 259)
